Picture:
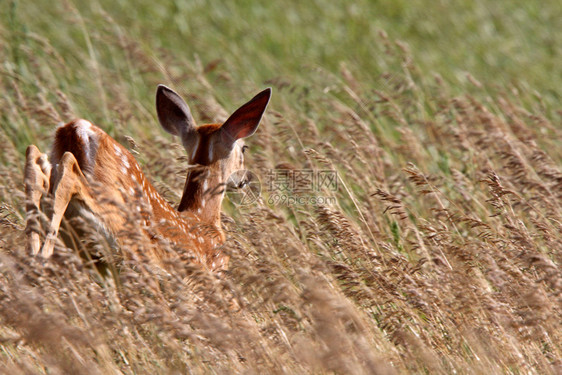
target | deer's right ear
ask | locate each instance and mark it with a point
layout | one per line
(173, 113)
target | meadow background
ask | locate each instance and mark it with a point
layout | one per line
(441, 255)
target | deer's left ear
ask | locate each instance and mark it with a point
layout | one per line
(245, 120)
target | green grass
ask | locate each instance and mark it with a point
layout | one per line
(441, 254)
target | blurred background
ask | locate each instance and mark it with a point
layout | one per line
(500, 43)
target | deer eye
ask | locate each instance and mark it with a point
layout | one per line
(244, 148)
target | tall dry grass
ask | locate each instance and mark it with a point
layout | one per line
(441, 255)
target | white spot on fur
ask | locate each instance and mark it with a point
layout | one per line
(123, 170)
(205, 185)
(210, 152)
(86, 133)
(131, 191)
(84, 129)
(200, 240)
(45, 164)
(125, 161)
(194, 150)
(117, 150)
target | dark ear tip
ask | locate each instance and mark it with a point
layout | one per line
(265, 94)
(162, 89)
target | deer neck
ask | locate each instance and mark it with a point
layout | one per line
(203, 194)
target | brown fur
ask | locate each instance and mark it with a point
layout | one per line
(107, 182)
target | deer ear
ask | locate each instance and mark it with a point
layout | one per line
(245, 120)
(173, 113)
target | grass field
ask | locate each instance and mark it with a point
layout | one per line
(438, 251)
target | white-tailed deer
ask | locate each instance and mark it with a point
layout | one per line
(90, 170)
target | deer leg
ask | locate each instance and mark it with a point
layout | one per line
(36, 178)
(68, 182)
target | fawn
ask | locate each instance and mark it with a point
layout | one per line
(97, 176)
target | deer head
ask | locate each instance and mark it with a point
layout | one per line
(214, 151)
